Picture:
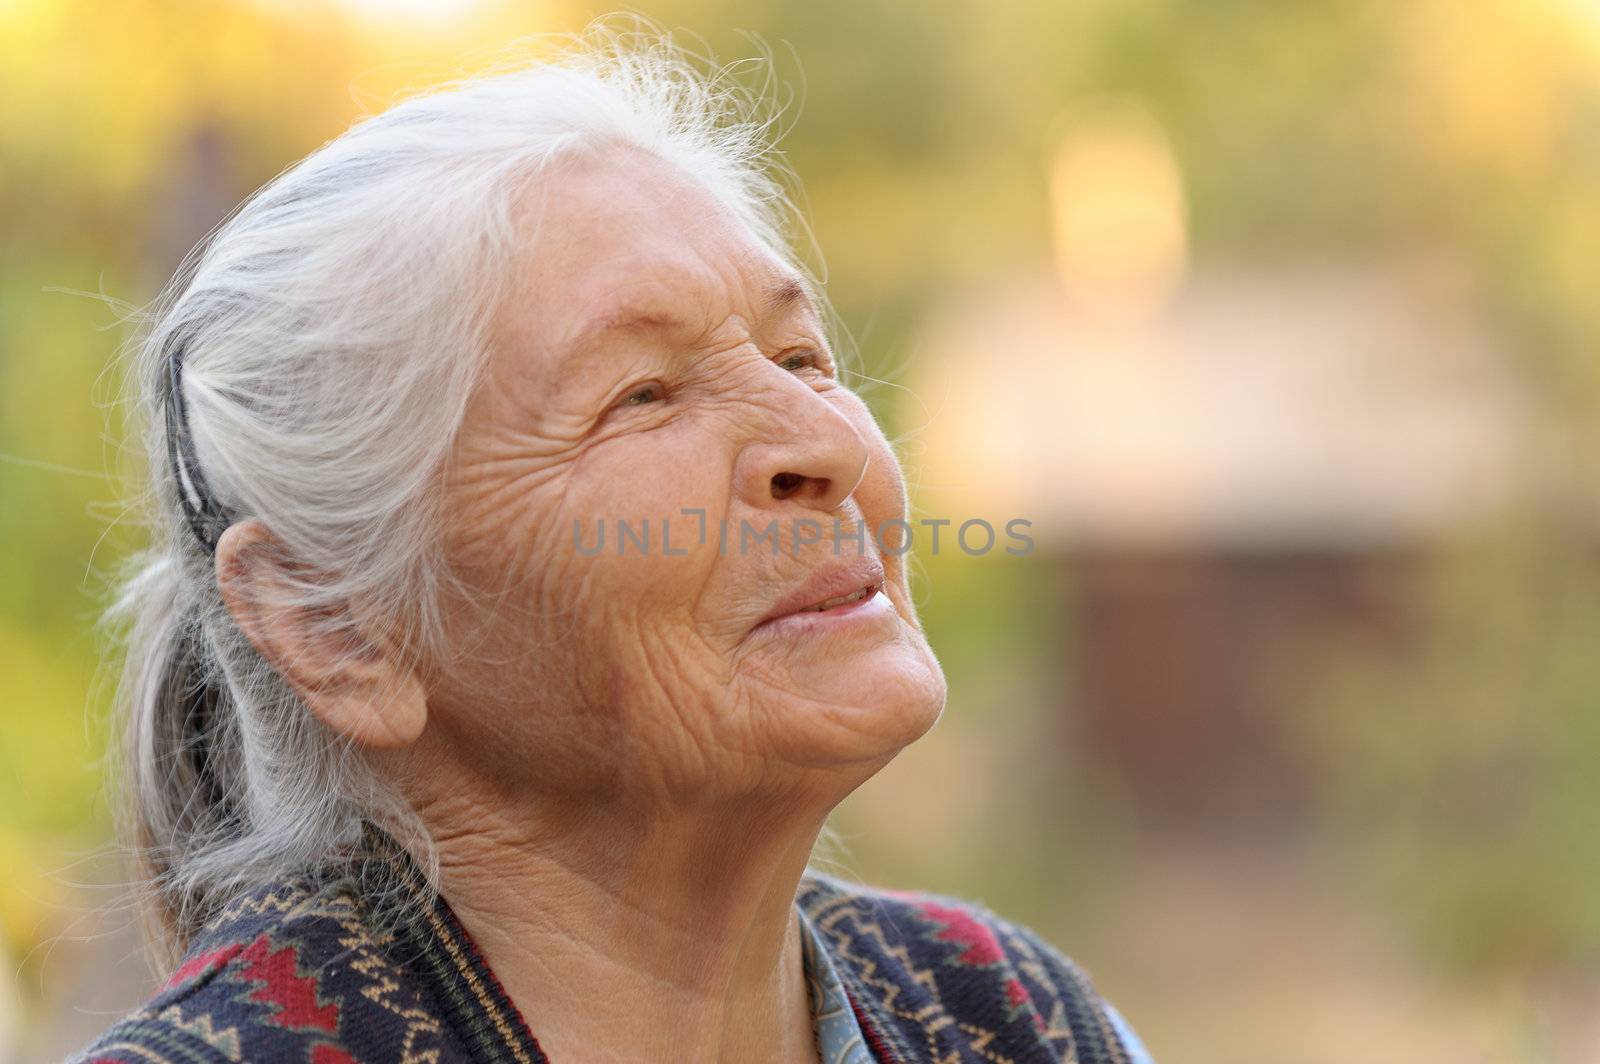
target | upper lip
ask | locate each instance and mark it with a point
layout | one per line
(829, 581)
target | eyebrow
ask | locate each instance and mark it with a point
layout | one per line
(780, 297)
(786, 293)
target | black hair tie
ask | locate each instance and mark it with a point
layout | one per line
(206, 517)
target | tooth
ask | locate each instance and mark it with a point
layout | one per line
(840, 600)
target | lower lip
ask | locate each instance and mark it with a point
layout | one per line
(874, 607)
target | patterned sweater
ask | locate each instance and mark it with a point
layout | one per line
(300, 971)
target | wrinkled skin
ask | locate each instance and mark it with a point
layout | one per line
(641, 669)
(624, 775)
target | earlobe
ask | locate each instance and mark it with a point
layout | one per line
(355, 684)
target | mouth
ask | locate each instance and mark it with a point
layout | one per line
(833, 594)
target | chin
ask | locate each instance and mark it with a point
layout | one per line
(860, 710)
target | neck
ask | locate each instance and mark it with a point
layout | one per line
(627, 934)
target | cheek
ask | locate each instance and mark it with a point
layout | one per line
(536, 537)
(622, 525)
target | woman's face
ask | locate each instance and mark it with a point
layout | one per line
(654, 366)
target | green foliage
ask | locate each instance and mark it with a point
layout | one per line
(1461, 778)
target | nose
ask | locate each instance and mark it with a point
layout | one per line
(809, 453)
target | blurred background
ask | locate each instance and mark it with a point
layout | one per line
(1276, 320)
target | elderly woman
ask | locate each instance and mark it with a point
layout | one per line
(465, 720)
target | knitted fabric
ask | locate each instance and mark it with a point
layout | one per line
(301, 971)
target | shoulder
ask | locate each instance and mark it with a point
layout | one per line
(285, 972)
(954, 976)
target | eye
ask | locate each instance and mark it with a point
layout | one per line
(800, 359)
(645, 393)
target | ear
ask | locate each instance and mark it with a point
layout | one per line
(354, 683)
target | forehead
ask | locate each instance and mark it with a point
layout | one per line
(623, 232)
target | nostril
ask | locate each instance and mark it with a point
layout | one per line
(786, 484)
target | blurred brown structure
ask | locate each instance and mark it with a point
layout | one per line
(1183, 660)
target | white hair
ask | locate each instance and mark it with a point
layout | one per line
(331, 331)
